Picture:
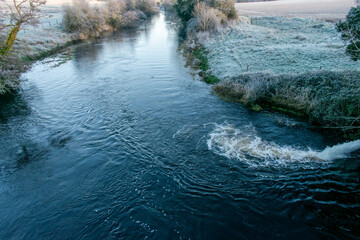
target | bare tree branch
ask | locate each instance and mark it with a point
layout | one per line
(20, 12)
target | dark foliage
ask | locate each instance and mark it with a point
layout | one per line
(185, 8)
(350, 30)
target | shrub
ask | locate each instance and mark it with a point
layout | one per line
(74, 15)
(168, 5)
(351, 31)
(141, 15)
(227, 7)
(185, 8)
(208, 18)
(89, 21)
(223, 18)
(129, 19)
(130, 4)
(148, 7)
(82, 18)
(114, 11)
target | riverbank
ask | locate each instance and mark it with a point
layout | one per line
(50, 36)
(121, 143)
(33, 42)
(294, 65)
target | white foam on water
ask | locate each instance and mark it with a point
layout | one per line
(245, 145)
(339, 151)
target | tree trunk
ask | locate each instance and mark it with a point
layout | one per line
(6, 48)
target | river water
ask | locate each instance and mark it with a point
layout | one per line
(122, 143)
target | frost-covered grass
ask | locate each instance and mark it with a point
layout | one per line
(327, 98)
(298, 66)
(10, 71)
(278, 45)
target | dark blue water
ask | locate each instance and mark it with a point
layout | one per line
(113, 144)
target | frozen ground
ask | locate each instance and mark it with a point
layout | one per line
(319, 9)
(278, 45)
(33, 40)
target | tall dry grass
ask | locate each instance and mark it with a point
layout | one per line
(87, 21)
(129, 19)
(113, 11)
(227, 7)
(207, 15)
(84, 19)
(208, 18)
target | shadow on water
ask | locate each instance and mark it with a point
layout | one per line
(19, 145)
(92, 53)
(87, 54)
(13, 105)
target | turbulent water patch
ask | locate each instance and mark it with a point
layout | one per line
(246, 146)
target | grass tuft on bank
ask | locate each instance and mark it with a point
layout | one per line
(329, 99)
(197, 59)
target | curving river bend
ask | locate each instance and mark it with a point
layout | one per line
(121, 143)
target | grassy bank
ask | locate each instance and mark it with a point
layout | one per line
(278, 45)
(196, 58)
(296, 66)
(80, 20)
(13, 65)
(10, 71)
(329, 99)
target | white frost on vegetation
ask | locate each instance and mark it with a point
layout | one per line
(279, 45)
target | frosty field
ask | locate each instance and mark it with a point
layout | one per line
(277, 45)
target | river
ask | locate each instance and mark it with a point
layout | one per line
(120, 142)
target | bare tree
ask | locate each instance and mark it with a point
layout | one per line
(20, 12)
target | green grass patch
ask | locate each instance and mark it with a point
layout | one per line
(211, 79)
(201, 54)
(197, 59)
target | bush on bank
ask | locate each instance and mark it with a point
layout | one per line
(330, 99)
(207, 18)
(89, 21)
(168, 5)
(350, 30)
(205, 15)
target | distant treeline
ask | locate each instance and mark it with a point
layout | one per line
(254, 0)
